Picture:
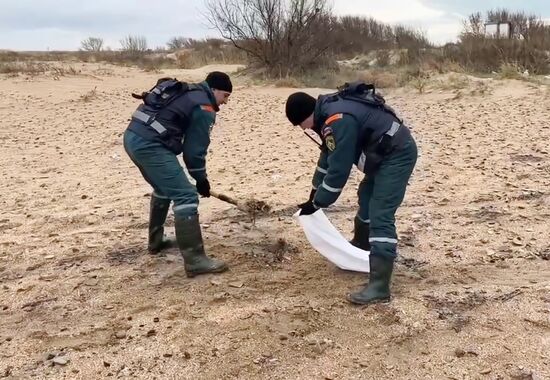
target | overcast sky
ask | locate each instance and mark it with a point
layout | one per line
(62, 24)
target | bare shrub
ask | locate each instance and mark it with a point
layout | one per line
(177, 43)
(93, 44)
(283, 36)
(420, 84)
(134, 44)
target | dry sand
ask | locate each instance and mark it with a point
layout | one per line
(81, 299)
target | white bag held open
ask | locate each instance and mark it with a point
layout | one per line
(330, 243)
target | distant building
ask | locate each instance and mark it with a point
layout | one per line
(498, 29)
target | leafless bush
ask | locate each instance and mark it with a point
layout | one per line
(134, 44)
(93, 44)
(177, 43)
(420, 84)
(282, 36)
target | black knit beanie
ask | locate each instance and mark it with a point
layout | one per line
(219, 81)
(299, 106)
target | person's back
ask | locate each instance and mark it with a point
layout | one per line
(173, 119)
(371, 122)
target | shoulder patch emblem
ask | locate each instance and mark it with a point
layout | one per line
(326, 131)
(333, 118)
(330, 142)
(207, 108)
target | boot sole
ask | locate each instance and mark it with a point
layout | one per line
(370, 302)
(198, 273)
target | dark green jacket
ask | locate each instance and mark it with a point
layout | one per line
(351, 133)
(184, 124)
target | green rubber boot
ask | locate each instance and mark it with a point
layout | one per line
(378, 289)
(361, 234)
(189, 238)
(157, 216)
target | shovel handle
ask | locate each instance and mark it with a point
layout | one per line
(224, 198)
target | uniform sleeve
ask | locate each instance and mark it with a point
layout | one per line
(340, 137)
(321, 168)
(197, 140)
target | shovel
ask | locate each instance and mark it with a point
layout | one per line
(252, 207)
(228, 199)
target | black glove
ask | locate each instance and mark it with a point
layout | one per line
(311, 196)
(308, 208)
(203, 188)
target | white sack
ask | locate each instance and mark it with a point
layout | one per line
(326, 239)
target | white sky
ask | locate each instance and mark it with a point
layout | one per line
(62, 24)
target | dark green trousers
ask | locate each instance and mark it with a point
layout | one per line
(381, 194)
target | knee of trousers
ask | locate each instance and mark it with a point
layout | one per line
(186, 204)
(184, 210)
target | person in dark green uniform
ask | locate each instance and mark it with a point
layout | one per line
(177, 118)
(357, 127)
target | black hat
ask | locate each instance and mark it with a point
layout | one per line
(299, 106)
(219, 81)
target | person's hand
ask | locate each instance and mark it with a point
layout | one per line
(308, 208)
(310, 199)
(203, 188)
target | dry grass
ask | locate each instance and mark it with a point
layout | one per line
(419, 84)
(149, 61)
(510, 71)
(416, 76)
(27, 68)
(288, 82)
(389, 78)
(33, 69)
(203, 55)
(453, 81)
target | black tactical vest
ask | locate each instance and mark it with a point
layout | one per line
(167, 122)
(381, 131)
